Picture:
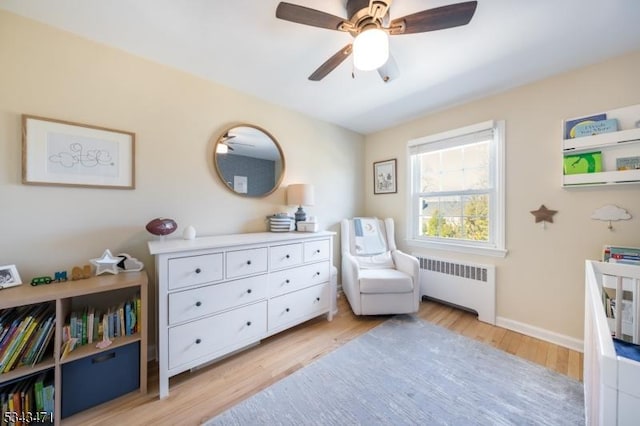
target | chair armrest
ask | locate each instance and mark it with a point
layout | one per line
(350, 281)
(406, 263)
(409, 265)
(350, 268)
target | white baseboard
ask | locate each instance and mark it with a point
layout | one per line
(542, 334)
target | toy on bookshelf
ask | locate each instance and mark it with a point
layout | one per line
(80, 272)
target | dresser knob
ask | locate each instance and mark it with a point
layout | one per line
(287, 256)
(317, 299)
(198, 341)
(287, 281)
(248, 262)
(248, 323)
(198, 303)
(198, 270)
(286, 310)
(318, 251)
(249, 291)
(317, 273)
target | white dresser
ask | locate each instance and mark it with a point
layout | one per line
(219, 294)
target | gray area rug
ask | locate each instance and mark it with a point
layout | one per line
(410, 372)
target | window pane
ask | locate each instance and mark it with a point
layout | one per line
(455, 169)
(441, 217)
(476, 217)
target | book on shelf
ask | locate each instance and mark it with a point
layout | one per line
(596, 127)
(628, 163)
(586, 162)
(21, 337)
(90, 325)
(620, 254)
(570, 125)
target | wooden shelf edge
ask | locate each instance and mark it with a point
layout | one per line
(26, 371)
(90, 349)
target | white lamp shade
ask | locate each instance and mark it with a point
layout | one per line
(370, 49)
(300, 194)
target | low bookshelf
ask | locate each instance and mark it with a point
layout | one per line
(62, 299)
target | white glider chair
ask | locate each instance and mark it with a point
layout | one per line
(377, 278)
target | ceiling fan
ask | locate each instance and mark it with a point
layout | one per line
(370, 25)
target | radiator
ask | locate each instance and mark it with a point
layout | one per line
(468, 285)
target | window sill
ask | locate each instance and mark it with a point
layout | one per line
(460, 248)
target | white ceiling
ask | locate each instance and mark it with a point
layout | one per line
(241, 44)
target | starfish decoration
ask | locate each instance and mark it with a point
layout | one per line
(543, 214)
(106, 263)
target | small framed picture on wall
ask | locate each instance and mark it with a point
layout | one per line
(9, 276)
(384, 177)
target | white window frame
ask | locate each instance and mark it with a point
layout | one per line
(496, 246)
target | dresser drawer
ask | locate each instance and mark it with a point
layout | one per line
(317, 250)
(294, 307)
(192, 270)
(190, 304)
(211, 336)
(289, 280)
(246, 262)
(285, 256)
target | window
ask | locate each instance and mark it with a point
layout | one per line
(457, 190)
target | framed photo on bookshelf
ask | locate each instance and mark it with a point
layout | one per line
(9, 276)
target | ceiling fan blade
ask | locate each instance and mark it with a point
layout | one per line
(389, 71)
(331, 63)
(307, 16)
(453, 15)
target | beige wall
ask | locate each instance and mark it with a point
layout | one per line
(540, 282)
(51, 73)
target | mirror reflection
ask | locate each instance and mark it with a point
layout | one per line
(249, 161)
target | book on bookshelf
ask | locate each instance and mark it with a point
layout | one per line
(586, 162)
(570, 125)
(89, 325)
(628, 163)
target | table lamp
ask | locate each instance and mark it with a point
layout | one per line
(300, 194)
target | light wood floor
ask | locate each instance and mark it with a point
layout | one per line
(198, 396)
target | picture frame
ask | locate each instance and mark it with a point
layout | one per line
(64, 153)
(385, 177)
(9, 276)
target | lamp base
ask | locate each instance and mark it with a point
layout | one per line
(300, 215)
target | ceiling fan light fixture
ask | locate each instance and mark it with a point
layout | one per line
(370, 49)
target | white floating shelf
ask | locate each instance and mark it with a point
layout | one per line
(601, 140)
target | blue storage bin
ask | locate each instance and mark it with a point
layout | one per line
(99, 378)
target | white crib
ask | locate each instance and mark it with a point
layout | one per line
(611, 383)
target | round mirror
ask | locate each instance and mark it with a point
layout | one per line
(249, 160)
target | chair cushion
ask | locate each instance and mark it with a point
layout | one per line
(376, 261)
(385, 281)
